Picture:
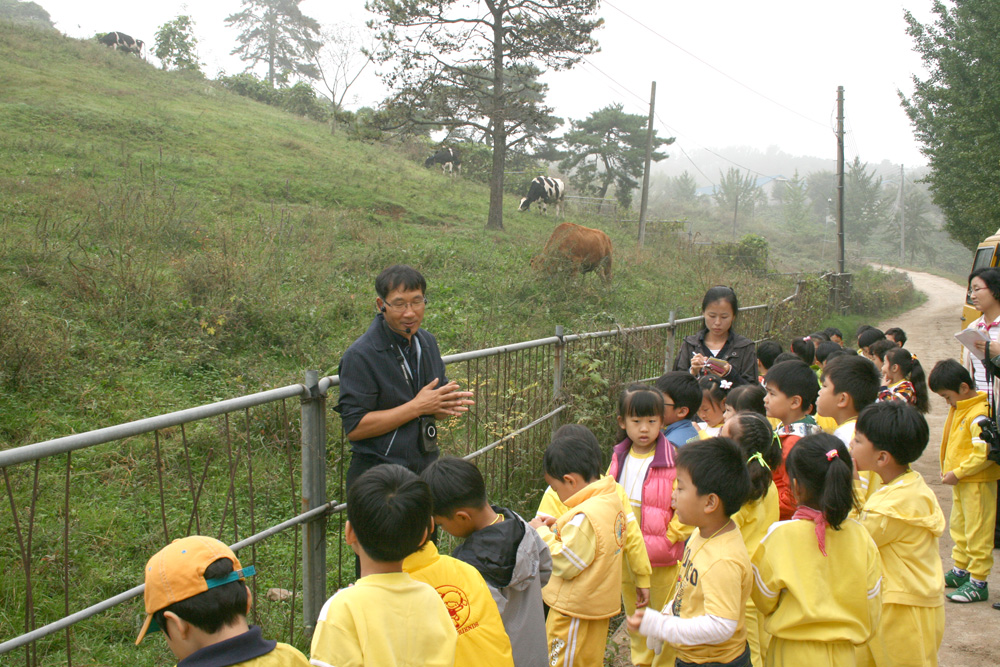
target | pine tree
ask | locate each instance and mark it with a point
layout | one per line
(277, 33)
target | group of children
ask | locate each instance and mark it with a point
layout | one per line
(757, 535)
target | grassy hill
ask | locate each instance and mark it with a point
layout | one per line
(165, 243)
(169, 242)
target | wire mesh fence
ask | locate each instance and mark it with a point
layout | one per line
(85, 512)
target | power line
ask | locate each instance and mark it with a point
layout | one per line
(645, 105)
(714, 68)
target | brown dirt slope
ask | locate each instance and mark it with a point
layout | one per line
(971, 637)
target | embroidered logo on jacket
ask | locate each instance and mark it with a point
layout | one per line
(457, 603)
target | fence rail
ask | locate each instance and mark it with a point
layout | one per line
(225, 467)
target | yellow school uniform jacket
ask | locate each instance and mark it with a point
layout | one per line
(828, 424)
(754, 518)
(806, 596)
(384, 620)
(962, 450)
(905, 520)
(587, 547)
(636, 567)
(482, 640)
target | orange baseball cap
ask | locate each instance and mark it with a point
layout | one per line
(177, 572)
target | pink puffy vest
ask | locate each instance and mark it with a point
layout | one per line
(656, 491)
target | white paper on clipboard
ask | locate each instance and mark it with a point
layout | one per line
(969, 337)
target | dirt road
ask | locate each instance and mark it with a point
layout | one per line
(972, 631)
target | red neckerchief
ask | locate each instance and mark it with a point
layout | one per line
(808, 513)
(988, 325)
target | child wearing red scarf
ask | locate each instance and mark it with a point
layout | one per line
(817, 578)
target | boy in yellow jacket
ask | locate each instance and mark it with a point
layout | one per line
(973, 479)
(586, 543)
(905, 521)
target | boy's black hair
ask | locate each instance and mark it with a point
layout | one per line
(454, 484)
(869, 336)
(895, 427)
(912, 371)
(825, 349)
(639, 400)
(747, 398)
(214, 609)
(819, 337)
(821, 466)
(795, 378)
(949, 375)
(804, 349)
(682, 389)
(840, 353)
(880, 347)
(754, 435)
(401, 277)
(897, 335)
(573, 449)
(767, 351)
(389, 508)
(856, 376)
(716, 465)
(783, 357)
(833, 331)
(862, 327)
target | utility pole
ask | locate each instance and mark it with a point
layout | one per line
(840, 179)
(902, 217)
(645, 171)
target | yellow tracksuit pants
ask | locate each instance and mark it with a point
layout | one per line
(757, 637)
(907, 637)
(792, 653)
(575, 642)
(973, 515)
(662, 584)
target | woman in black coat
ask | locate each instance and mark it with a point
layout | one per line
(716, 340)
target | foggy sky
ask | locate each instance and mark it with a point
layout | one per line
(728, 73)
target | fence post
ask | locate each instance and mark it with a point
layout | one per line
(668, 361)
(557, 372)
(313, 495)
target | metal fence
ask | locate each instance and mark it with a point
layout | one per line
(87, 510)
(595, 206)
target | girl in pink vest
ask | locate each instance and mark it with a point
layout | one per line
(643, 464)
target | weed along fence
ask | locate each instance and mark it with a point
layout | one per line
(265, 473)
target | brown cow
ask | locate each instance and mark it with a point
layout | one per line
(577, 248)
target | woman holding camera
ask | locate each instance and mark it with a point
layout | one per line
(716, 350)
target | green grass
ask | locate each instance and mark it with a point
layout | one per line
(164, 243)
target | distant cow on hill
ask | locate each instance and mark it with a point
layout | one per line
(448, 159)
(577, 248)
(121, 41)
(545, 191)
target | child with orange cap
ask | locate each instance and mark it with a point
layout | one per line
(197, 595)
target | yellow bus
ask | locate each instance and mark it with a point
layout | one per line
(987, 254)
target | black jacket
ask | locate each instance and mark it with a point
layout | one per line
(371, 378)
(739, 351)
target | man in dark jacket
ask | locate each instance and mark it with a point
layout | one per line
(392, 381)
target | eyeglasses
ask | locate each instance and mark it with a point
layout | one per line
(402, 306)
(669, 405)
(976, 289)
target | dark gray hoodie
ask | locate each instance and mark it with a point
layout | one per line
(516, 564)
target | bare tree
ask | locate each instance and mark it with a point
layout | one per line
(340, 60)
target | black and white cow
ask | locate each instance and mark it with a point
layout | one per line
(123, 42)
(545, 191)
(448, 158)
